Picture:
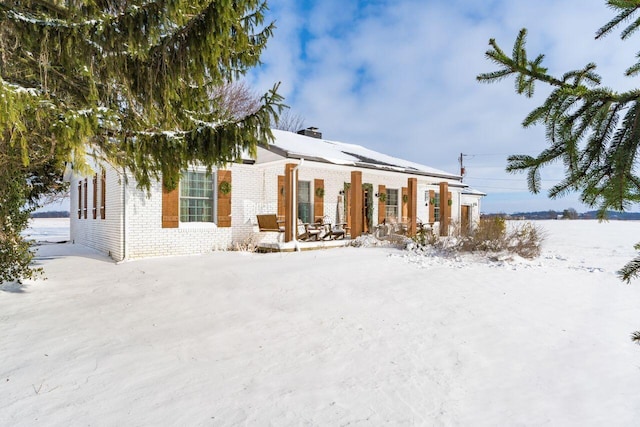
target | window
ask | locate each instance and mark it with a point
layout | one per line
(80, 199)
(304, 201)
(94, 210)
(436, 207)
(84, 206)
(196, 197)
(103, 194)
(392, 204)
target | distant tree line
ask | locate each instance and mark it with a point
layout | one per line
(567, 214)
(50, 214)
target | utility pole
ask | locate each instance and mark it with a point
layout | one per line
(462, 170)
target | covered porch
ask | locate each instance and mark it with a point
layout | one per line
(353, 210)
(296, 246)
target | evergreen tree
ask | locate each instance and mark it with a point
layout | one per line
(134, 83)
(593, 130)
(570, 213)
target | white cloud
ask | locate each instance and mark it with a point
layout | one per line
(399, 77)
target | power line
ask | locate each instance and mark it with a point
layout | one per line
(498, 154)
(512, 189)
(511, 179)
(505, 188)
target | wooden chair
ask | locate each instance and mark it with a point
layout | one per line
(385, 228)
(269, 222)
(338, 231)
(307, 232)
(332, 232)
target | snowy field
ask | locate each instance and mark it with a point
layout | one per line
(48, 229)
(367, 336)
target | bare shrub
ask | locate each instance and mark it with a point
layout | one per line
(425, 236)
(249, 244)
(398, 240)
(489, 235)
(525, 240)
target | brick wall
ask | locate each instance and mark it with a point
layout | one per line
(145, 236)
(254, 191)
(335, 176)
(103, 235)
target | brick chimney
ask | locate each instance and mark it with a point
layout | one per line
(312, 132)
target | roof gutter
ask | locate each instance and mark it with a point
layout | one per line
(379, 168)
(123, 229)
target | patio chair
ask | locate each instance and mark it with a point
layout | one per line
(387, 227)
(307, 232)
(337, 231)
(269, 222)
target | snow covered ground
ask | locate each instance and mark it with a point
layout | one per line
(366, 336)
(48, 229)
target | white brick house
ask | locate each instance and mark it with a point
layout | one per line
(110, 214)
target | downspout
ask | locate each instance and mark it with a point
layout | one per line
(124, 217)
(294, 219)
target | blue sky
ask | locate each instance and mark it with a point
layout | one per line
(399, 77)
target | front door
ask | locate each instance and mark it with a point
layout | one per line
(305, 212)
(366, 206)
(465, 219)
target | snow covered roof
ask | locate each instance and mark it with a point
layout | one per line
(473, 191)
(293, 145)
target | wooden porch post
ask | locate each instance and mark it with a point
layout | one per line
(412, 205)
(356, 204)
(290, 210)
(445, 209)
(382, 205)
(318, 201)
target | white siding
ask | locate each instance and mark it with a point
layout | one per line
(335, 177)
(145, 236)
(473, 202)
(249, 187)
(135, 229)
(103, 235)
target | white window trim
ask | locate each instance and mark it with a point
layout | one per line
(311, 198)
(397, 204)
(200, 224)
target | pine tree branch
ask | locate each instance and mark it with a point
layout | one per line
(626, 8)
(630, 271)
(572, 114)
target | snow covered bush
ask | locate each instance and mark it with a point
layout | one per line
(249, 244)
(489, 235)
(525, 239)
(425, 236)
